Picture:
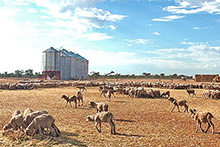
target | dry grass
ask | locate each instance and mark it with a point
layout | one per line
(139, 122)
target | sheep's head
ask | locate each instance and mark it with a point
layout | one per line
(29, 132)
(63, 96)
(91, 104)
(192, 112)
(7, 126)
(89, 118)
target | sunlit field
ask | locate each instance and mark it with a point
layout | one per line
(139, 121)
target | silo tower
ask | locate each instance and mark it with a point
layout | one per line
(51, 64)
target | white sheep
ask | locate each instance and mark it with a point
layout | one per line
(102, 117)
(16, 122)
(39, 123)
(99, 106)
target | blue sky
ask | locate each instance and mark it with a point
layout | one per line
(126, 36)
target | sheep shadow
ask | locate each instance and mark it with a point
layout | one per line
(124, 120)
(120, 101)
(63, 139)
(83, 108)
(217, 133)
(129, 135)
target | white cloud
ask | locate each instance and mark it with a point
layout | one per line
(156, 33)
(83, 11)
(112, 27)
(94, 36)
(140, 41)
(195, 6)
(31, 10)
(196, 28)
(168, 18)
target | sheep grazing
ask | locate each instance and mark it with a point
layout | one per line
(29, 118)
(39, 123)
(178, 103)
(191, 91)
(79, 97)
(202, 117)
(102, 117)
(81, 87)
(105, 91)
(99, 106)
(69, 100)
(165, 94)
(16, 123)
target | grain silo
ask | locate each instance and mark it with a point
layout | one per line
(63, 64)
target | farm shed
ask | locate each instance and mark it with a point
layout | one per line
(61, 64)
(204, 78)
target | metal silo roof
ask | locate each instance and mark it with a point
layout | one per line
(65, 53)
(81, 57)
(51, 49)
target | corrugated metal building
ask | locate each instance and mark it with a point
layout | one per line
(63, 64)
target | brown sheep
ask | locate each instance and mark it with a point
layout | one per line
(99, 106)
(69, 100)
(165, 93)
(202, 117)
(178, 103)
(39, 123)
(29, 118)
(191, 91)
(16, 123)
(102, 117)
(79, 97)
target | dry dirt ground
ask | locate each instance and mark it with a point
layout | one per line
(139, 122)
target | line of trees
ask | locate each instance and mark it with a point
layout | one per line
(97, 75)
(22, 74)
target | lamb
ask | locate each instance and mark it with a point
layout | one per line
(29, 118)
(39, 123)
(178, 103)
(69, 100)
(165, 93)
(16, 123)
(191, 91)
(99, 106)
(102, 117)
(79, 97)
(202, 117)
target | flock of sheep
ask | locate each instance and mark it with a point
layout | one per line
(211, 90)
(33, 122)
(200, 117)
